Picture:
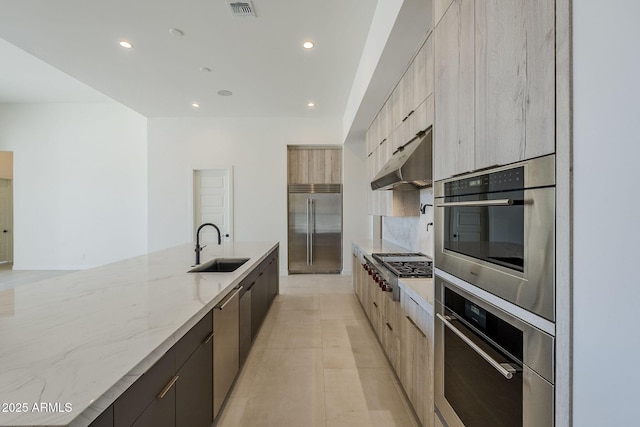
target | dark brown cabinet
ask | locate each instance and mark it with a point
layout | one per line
(178, 389)
(150, 398)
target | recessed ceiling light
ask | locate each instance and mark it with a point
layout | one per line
(311, 104)
(125, 44)
(195, 105)
(176, 32)
(307, 45)
(225, 92)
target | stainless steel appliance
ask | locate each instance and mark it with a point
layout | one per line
(496, 230)
(409, 167)
(226, 341)
(386, 268)
(491, 369)
(315, 228)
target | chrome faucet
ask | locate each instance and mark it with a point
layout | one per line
(198, 247)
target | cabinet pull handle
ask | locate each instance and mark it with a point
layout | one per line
(416, 326)
(230, 298)
(389, 326)
(166, 388)
(208, 338)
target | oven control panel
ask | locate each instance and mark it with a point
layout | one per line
(505, 180)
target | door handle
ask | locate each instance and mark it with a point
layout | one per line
(505, 369)
(477, 203)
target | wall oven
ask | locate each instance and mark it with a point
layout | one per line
(491, 369)
(496, 230)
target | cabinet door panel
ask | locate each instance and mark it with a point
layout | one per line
(105, 419)
(454, 91)
(515, 80)
(192, 340)
(143, 393)
(194, 389)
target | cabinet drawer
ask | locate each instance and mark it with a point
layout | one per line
(416, 314)
(144, 391)
(192, 339)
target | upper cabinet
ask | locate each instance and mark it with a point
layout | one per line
(408, 111)
(515, 80)
(454, 91)
(495, 83)
(314, 164)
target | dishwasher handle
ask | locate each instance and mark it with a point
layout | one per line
(227, 300)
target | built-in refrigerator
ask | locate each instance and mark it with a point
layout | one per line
(315, 228)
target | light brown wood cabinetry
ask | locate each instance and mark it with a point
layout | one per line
(314, 165)
(405, 332)
(416, 366)
(515, 80)
(407, 111)
(454, 91)
(494, 83)
(439, 8)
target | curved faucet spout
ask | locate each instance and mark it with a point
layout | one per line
(198, 247)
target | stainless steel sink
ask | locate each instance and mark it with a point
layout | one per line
(220, 265)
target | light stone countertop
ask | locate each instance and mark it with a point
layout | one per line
(77, 341)
(421, 290)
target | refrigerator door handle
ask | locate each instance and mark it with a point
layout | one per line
(308, 227)
(313, 230)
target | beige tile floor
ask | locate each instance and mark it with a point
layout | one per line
(316, 362)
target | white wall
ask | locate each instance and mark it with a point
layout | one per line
(257, 150)
(80, 180)
(357, 223)
(606, 149)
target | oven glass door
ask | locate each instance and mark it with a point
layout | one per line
(487, 226)
(480, 393)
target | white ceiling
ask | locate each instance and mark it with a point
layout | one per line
(259, 59)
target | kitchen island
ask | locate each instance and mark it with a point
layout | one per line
(76, 342)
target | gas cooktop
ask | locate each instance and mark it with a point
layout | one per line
(406, 264)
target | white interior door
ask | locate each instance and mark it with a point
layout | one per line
(213, 203)
(6, 214)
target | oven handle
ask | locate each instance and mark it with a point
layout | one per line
(504, 368)
(478, 203)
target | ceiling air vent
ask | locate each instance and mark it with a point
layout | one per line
(241, 8)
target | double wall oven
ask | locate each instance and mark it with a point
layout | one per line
(495, 233)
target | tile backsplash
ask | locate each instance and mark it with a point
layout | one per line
(411, 232)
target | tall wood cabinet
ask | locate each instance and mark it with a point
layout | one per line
(494, 83)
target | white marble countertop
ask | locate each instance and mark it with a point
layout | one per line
(75, 342)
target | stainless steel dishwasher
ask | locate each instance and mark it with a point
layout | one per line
(245, 323)
(225, 346)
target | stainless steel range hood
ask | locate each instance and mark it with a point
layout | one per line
(410, 167)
